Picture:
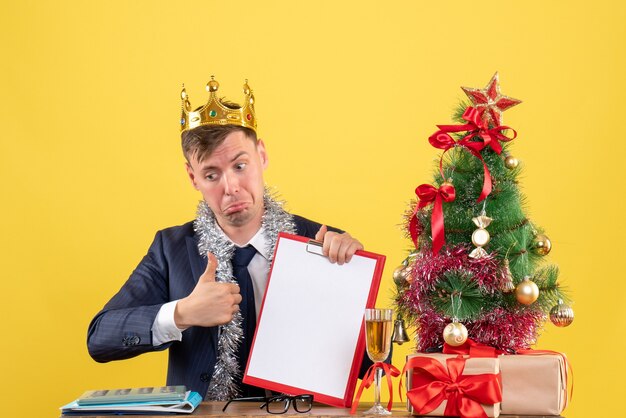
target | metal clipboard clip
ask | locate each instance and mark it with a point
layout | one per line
(314, 247)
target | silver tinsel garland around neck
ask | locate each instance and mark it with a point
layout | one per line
(224, 383)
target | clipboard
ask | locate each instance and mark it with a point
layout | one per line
(310, 336)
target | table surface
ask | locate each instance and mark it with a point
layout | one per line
(251, 409)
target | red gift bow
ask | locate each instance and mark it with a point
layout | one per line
(432, 384)
(389, 370)
(476, 127)
(428, 194)
(474, 349)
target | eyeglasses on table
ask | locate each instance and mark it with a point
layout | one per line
(279, 404)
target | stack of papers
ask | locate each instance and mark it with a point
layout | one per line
(155, 400)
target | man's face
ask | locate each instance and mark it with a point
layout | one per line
(231, 181)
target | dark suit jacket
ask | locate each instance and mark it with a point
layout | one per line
(170, 271)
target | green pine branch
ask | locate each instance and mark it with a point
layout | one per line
(457, 295)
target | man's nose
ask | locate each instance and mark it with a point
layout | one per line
(231, 184)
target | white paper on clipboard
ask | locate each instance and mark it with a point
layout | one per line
(309, 338)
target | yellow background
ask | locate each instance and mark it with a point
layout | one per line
(347, 95)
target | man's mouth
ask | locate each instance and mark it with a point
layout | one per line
(235, 207)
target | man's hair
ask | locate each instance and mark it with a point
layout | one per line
(199, 143)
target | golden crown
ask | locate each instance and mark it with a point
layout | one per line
(216, 111)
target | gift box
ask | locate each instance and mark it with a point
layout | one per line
(533, 384)
(453, 385)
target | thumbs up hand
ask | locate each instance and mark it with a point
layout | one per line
(210, 303)
(209, 271)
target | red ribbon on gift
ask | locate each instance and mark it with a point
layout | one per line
(433, 383)
(368, 379)
(475, 127)
(428, 194)
(472, 348)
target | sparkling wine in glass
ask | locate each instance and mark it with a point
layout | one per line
(378, 331)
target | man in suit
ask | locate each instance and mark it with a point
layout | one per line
(198, 290)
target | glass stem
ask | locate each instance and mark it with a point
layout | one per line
(377, 378)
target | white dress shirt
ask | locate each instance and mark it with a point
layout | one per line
(164, 328)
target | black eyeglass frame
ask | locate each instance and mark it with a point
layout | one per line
(286, 399)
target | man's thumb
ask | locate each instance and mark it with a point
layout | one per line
(209, 273)
(320, 234)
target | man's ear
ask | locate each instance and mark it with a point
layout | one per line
(191, 175)
(260, 147)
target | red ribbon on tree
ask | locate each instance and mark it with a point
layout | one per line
(433, 383)
(368, 379)
(415, 228)
(475, 127)
(427, 194)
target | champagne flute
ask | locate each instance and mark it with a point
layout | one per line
(378, 337)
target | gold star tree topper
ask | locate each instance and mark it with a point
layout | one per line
(490, 101)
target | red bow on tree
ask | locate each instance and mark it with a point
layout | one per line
(475, 127)
(428, 194)
(433, 383)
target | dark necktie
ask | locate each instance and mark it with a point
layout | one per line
(241, 259)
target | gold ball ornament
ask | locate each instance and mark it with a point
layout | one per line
(526, 292)
(400, 274)
(455, 334)
(542, 244)
(511, 162)
(562, 315)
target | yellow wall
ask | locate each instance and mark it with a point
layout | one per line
(347, 94)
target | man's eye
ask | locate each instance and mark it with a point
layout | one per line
(240, 166)
(211, 177)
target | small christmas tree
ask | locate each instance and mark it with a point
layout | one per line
(478, 266)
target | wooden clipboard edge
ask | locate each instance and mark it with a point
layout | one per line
(357, 359)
